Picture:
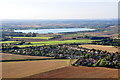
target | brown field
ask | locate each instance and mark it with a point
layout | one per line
(7, 56)
(79, 72)
(27, 68)
(66, 38)
(47, 35)
(101, 47)
(30, 40)
(111, 31)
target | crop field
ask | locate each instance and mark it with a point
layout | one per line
(34, 37)
(8, 56)
(101, 47)
(63, 42)
(9, 41)
(55, 42)
(73, 35)
(28, 68)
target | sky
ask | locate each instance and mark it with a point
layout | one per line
(58, 9)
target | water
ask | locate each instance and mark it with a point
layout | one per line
(43, 31)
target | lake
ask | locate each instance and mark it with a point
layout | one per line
(43, 31)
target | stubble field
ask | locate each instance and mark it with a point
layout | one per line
(101, 47)
(8, 56)
(28, 68)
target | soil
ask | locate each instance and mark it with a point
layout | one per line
(79, 72)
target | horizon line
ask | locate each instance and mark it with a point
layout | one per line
(65, 19)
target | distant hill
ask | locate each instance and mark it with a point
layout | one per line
(68, 23)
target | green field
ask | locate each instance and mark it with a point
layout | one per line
(55, 42)
(73, 35)
(34, 37)
(9, 41)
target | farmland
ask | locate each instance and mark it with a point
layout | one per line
(40, 41)
(29, 40)
(34, 37)
(101, 47)
(27, 68)
(86, 57)
(70, 58)
(55, 42)
(7, 56)
(62, 42)
(9, 41)
(80, 72)
(54, 69)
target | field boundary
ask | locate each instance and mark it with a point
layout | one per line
(29, 59)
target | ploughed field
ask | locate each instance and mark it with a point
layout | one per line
(28, 68)
(79, 72)
(54, 69)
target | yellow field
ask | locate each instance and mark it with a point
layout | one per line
(9, 42)
(27, 68)
(101, 47)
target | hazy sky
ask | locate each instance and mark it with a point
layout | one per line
(58, 9)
